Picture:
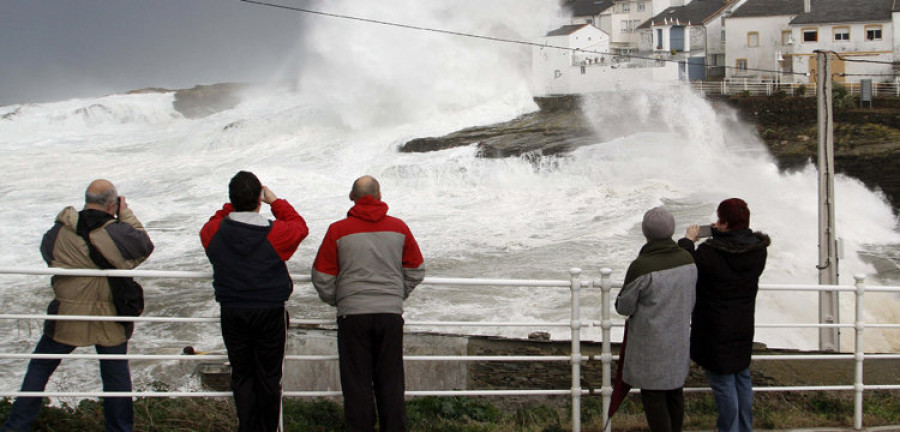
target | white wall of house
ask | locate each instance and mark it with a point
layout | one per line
(548, 64)
(740, 49)
(661, 5)
(896, 33)
(833, 37)
(598, 78)
(564, 71)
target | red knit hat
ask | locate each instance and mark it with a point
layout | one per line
(735, 212)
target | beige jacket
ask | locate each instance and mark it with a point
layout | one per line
(124, 243)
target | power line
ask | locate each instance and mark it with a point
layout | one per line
(520, 42)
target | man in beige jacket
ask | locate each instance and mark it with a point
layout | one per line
(123, 243)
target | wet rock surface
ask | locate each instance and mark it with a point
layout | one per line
(559, 127)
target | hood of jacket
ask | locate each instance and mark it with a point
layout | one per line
(91, 219)
(369, 209)
(244, 239)
(734, 245)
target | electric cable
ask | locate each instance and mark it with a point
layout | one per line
(526, 43)
(490, 38)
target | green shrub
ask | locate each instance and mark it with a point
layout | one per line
(423, 410)
(841, 97)
(313, 416)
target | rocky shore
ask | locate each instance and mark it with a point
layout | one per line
(867, 140)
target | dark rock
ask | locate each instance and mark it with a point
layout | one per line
(204, 100)
(558, 127)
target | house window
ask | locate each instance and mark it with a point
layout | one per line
(841, 34)
(624, 26)
(741, 64)
(752, 39)
(786, 37)
(641, 6)
(810, 35)
(626, 7)
(873, 32)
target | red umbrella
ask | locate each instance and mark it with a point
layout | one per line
(620, 387)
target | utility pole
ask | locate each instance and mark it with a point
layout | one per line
(829, 338)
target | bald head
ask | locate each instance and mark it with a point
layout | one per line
(100, 192)
(101, 195)
(365, 186)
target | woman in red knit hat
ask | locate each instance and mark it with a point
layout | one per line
(722, 326)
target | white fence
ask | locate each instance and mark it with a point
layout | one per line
(755, 87)
(574, 284)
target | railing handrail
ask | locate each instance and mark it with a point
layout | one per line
(575, 284)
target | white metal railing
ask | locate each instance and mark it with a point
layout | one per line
(605, 283)
(758, 87)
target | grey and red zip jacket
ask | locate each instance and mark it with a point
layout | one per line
(368, 263)
(248, 260)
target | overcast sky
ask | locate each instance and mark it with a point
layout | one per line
(60, 49)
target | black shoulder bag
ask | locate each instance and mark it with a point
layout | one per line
(127, 295)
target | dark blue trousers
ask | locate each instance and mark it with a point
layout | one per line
(117, 411)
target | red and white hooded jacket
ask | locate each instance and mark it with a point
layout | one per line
(367, 263)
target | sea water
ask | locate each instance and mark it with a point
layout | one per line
(363, 91)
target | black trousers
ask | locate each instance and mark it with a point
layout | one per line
(664, 409)
(255, 341)
(371, 362)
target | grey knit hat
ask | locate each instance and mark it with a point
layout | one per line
(658, 224)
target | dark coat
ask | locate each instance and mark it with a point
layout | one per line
(722, 325)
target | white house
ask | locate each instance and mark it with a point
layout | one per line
(620, 19)
(754, 40)
(863, 31)
(691, 33)
(576, 59)
(777, 39)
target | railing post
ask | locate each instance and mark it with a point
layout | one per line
(606, 349)
(575, 286)
(860, 354)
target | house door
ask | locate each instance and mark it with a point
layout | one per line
(697, 68)
(676, 38)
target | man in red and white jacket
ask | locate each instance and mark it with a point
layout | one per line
(251, 281)
(367, 265)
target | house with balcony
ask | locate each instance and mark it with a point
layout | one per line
(691, 34)
(860, 32)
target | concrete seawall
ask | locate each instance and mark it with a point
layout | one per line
(495, 375)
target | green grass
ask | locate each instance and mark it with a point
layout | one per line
(463, 414)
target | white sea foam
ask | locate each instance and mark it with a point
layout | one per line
(365, 91)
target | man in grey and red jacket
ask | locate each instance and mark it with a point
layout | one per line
(251, 281)
(367, 265)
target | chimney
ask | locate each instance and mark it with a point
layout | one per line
(806, 6)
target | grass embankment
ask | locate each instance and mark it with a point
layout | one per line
(454, 414)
